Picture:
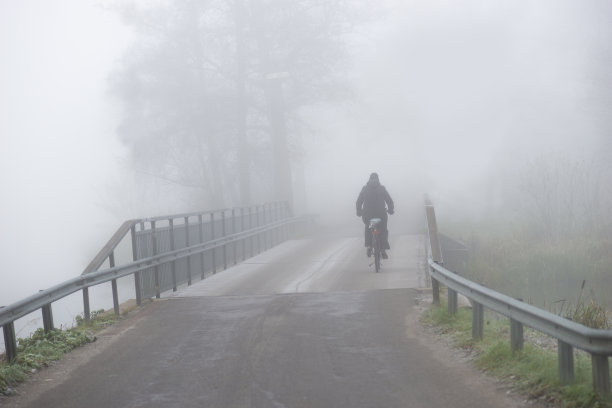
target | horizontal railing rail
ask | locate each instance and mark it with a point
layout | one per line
(92, 277)
(569, 334)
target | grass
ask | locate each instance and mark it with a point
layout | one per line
(41, 349)
(532, 371)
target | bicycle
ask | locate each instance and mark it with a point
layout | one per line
(376, 246)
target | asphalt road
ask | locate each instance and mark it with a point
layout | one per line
(307, 324)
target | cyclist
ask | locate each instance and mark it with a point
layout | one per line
(374, 202)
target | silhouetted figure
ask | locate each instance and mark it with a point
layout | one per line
(374, 202)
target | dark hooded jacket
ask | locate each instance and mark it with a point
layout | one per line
(374, 200)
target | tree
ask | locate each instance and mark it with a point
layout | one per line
(213, 88)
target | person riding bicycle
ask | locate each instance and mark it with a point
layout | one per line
(374, 202)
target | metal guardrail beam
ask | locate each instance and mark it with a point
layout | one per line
(584, 338)
(568, 333)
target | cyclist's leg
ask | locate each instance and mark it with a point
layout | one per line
(384, 233)
(368, 236)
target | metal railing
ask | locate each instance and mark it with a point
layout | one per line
(165, 254)
(568, 333)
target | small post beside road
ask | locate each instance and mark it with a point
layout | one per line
(516, 336)
(477, 321)
(566, 362)
(435, 290)
(452, 302)
(86, 311)
(137, 287)
(10, 341)
(111, 262)
(601, 374)
(47, 315)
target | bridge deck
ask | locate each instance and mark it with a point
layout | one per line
(307, 324)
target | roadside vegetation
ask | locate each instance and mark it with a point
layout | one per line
(532, 372)
(41, 349)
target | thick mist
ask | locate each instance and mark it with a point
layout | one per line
(107, 114)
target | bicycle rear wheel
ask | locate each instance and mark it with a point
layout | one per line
(376, 255)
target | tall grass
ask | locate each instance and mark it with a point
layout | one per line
(545, 274)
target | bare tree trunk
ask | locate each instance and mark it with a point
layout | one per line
(278, 130)
(241, 106)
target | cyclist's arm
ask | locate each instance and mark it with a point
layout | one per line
(359, 202)
(389, 201)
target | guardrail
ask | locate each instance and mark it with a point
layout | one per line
(568, 333)
(155, 248)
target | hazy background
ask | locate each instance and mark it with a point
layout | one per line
(459, 100)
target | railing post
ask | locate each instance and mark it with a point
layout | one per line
(601, 374)
(86, 311)
(258, 224)
(187, 244)
(47, 314)
(452, 302)
(111, 263)
(224, 235)
(10, 342)
(252, 238)
(244, 240)
(137, 287)
(435, 248)
(266, 221)
(212, 231)
(201, 225)
(477, 321)
(516, 336)
(156, 268)
(274, 219)
(566, 362)
(234, 232)
(172, 247)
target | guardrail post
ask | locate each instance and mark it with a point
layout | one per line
(111, 262)
(47, 315)
(516, 336)
(601, 374)
(566, 362)
(212, 237)
(224, 235)
(188, 245)
(435, 291)
(156, 268)
(86, 311)
(201, 225)
(452, 301)
(477, 321)
(137, 288)
(10, 341)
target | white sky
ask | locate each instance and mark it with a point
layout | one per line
(57, 143)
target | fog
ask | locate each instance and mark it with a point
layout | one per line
(449, 99)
